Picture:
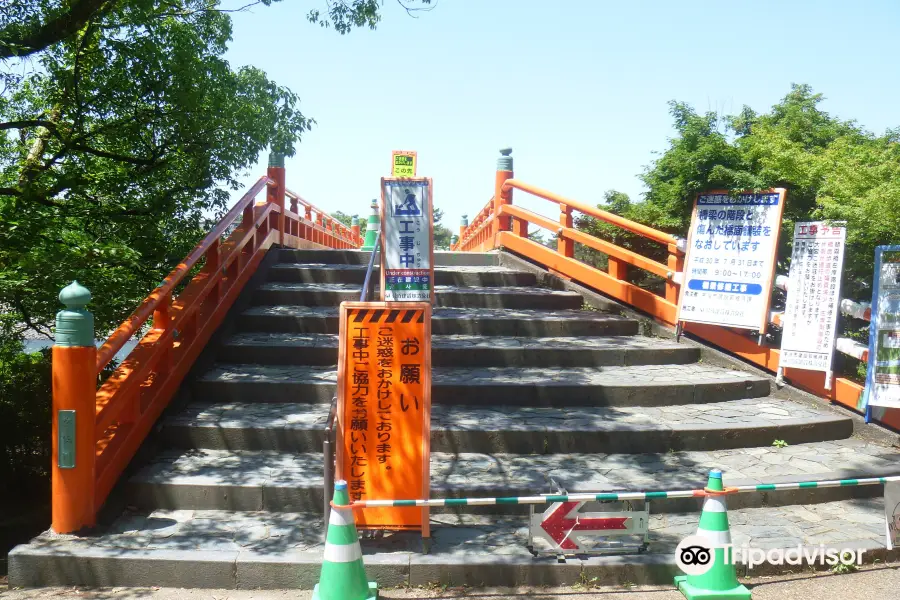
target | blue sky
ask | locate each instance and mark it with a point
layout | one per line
(578, 89)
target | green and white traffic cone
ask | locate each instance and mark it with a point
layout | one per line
(343, 575)
(720, 581)
(372, 227)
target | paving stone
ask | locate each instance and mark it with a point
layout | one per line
(645, 385)
(299, 427)
(175, 479)
(484, 544)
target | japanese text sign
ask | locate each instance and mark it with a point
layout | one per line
(403, 163)
(384, 409)
(407, 230)
(814, 295)
(883, 375)
(730, 259)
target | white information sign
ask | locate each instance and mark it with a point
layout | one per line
(406, 225)
(731, 259)
(883, 377)
(892, 513)
(814, 295)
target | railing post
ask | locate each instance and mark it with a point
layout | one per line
(501, 197)
(354, 228)
(675, 262)
(565, 246)
(74, 413)
(617, 268)
(275, 191)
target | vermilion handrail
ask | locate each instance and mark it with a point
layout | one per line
(628, 224)
(129, 402)
(132, 324)
(344, 231)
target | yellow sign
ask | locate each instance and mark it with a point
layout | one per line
(384, 409)
(403, 163)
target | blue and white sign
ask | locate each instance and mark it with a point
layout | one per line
(407, 240)
(883, 375)
(731, 259)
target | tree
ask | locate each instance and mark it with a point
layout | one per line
(27, 27)
(442, 235)
(833, 170)
(120, 124)
(343, 217)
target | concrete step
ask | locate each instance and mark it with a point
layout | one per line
(273, 550)
(358, 257)
(645, 385)
(331, 294)
(449, 321)
(268, 480)
(506, 429)
(470, 350)
(471, 276)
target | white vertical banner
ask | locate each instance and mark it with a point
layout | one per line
(730, 259)
(892, 513)
(407, 240)
(813, 296)
(883, 376)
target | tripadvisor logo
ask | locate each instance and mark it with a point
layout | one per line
(696, 555)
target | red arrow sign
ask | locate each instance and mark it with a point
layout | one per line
(558, 526)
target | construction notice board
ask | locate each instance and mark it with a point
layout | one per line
(403, 163)
(384, 409)
(883, 375)
(814, 295)
(407, 240)
(730, 260)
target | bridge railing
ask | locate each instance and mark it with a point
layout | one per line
(128, 403)
(501, 224)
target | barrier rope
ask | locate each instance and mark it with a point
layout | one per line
(626, 496)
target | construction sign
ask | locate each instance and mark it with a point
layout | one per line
(407, 240)
(403, 163)
(384, 409)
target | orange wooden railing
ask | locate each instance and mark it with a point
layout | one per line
(130, 401)
(501, 224)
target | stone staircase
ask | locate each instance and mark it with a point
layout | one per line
(533, 392)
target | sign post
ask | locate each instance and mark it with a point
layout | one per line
(403, 163)
(883, 374)
(813, 298)
(384, 409)
(407, 226)
(730, 260)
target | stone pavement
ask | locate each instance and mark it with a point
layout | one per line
(875, 583)
(284, 550)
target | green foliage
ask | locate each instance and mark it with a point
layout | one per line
(24, 413)
(343, 217)
(780, 444)
(345, 15)
(121, 127)
(442, 235)
(833, 170)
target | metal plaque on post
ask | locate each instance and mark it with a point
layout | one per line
(65, 438)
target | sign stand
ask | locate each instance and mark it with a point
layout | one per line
(384, 409)
(407, 240)
(730, 260)
(562, 525)
(813, 298)
(883, 372)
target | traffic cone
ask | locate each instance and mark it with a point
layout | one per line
(719, 582)
(343, 575)
(372, 227)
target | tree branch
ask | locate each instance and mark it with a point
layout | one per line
(15, 42)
